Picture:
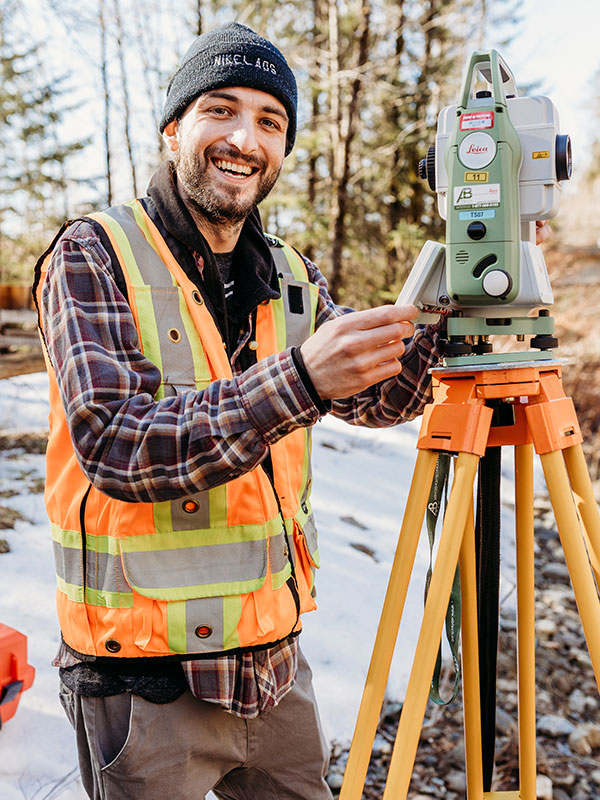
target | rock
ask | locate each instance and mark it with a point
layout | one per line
(382, 746)
(355, 523)
(8, 517)
(555, 726)
(568, 779)
(544, 788)
(456, 781)
(560, 794)
(585, 739)
(595, 776)
(335, 780)
(546, 626)
(4, 546)
(506, 724)
(362, 548)
(556, 571)
(577, 702)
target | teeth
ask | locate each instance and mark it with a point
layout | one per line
(239, 168)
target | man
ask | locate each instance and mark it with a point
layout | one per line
(189, 355)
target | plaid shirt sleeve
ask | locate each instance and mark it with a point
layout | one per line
(398, 399)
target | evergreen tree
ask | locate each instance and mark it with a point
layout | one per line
(33, 177)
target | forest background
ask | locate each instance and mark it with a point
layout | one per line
(82, 87)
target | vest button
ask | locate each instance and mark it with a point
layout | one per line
(203, 631)
(112, 645)
(197, 297)
(253, 345)
(190, 506)
(174, 335)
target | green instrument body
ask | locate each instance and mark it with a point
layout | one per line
(483, 160)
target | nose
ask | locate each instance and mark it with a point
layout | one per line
(243, 135)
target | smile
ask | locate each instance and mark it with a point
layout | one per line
(230, 168)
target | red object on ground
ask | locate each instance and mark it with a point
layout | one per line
(16, 674)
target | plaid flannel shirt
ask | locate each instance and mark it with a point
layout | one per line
(137, 449)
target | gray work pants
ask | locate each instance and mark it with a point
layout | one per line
(130, 749)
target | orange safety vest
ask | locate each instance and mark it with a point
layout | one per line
(209, 572)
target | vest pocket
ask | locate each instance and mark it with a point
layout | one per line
(185, 565)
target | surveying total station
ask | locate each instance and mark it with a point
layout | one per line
(497, 167)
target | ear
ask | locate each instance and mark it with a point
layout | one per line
(170, 135)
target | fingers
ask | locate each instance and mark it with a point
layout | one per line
(352, 352)
(542, 231)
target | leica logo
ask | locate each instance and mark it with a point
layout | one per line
(477, 149)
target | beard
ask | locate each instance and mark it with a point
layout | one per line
(228, 204)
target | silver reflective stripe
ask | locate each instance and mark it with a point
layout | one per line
(279, 559)
(297, 326)
(197, 566)
(177, 359)
(310, 534)
(149, 263)
(195, 520)
(68, 563)
(104, 571)
(204, 611)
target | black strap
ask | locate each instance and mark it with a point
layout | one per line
(436, 508)
(487, 548)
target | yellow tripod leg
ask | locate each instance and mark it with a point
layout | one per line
(525, 620)
(413, 710)
(575, 552)
(470, 661)
(383, 650)
(585, 501)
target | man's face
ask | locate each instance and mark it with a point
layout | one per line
(230, 146)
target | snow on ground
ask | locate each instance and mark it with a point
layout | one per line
(361, 483)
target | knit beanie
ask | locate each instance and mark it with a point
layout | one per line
(232, 55)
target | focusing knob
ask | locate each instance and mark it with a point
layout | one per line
(427, 168)
(563, 158)
(476, 230)
(496, 283)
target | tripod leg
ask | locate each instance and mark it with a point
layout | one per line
(584, 587)
(525, 620)
(383, 650)
(413, 711)
(470, 662)
(586, 502)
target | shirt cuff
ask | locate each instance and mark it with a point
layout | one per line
(324, 406)
(275, 398)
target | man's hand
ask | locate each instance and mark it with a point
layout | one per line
(350, 353)
(542, 231)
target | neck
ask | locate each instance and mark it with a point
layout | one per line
(221, 236)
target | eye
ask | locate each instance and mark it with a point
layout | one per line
(219, 111)
(271, 123)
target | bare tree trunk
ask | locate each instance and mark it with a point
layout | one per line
(104, 73)
(342, 155)
(199, 17)
(125, 89)
(317, 60)
(394, 210)
(149, 57)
